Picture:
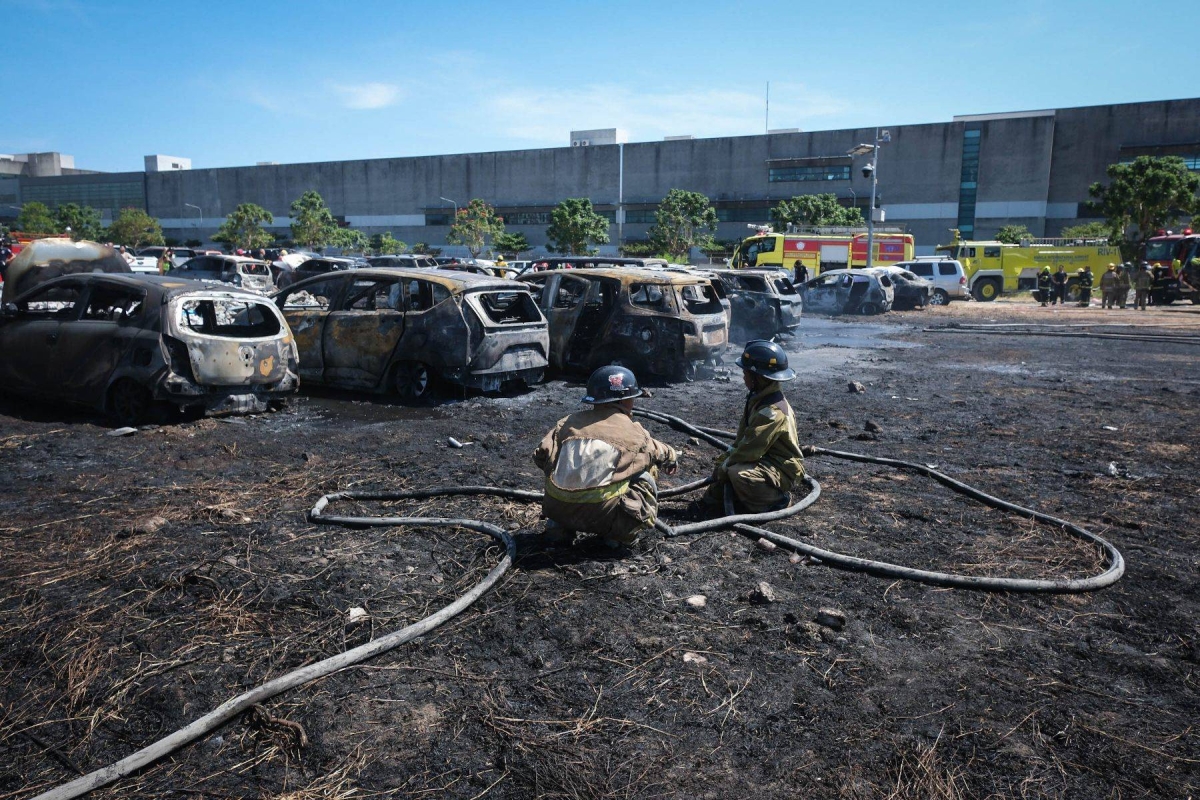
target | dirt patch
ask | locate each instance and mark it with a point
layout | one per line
(588, 674)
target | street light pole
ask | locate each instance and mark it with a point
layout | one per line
(871, 210)
(451, 202)
(199, 209)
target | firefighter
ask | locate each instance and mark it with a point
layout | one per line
(1044, 285)
(1085, 287)
(1108, 287)
(765, 460)
(602, 467)
(1059, 281)
(1124, 283)
(1142, 283)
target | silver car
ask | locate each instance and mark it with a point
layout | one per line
(844, 291)
(244, 273)
(947, 276)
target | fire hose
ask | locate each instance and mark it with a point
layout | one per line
(743, 523)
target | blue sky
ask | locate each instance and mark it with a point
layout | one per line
(232, 83)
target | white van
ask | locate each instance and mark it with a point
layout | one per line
(947, 275)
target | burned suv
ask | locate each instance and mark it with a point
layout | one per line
(763, 302)
(655, 322)
(400, 330)
(132, 345)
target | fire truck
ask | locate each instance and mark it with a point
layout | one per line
(822, 248)
(995, 268)
(1171, 255)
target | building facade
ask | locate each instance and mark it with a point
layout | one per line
(976, 173)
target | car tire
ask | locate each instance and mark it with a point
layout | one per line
(412, 381)
(129, 403)
(939, 298)
(866, 309)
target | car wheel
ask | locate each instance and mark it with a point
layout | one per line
(939, 298)
(412, 380)
(128, 402)
(868, 308)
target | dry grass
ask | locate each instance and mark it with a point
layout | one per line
(921, 775)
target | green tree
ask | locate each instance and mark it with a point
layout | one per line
(1013, 234)
(313, 225)
(815, 209)
(472, 226)
(349, 240)
(1088, 230)
(35, 217)
(1145, 195)
(134, 228)
(423, 249)
(575, 227)
(683, 221)
(244, 228)
(511, 243)
(83, 221)
(384, 244)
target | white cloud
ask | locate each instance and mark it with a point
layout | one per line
(367, 95)
(548, 115)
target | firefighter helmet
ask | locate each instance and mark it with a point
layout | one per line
(765, 358)
(610, 384)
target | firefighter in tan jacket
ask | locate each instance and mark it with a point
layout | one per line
(765, 461)
(602, 467)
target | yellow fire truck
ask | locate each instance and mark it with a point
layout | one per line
(995, 268)
(820, 249)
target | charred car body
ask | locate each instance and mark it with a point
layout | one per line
(657, 322)
(399, 330)
(763, 302)
(910, 291)
(844, 291)
(130, 345)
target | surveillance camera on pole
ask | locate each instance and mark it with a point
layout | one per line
(868, 170)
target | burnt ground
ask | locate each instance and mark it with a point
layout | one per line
(585, 673)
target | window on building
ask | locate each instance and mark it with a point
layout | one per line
(639, 216)
(437, 218)
(105, 196)
(833, 172)
(968, 186)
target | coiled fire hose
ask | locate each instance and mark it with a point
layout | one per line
(743, 523)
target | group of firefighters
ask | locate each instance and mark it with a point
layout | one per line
(602, 467)
(1115, 284)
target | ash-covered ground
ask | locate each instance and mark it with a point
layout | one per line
(146, 579)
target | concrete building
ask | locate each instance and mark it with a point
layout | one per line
(976, 173)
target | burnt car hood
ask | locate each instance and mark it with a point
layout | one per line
(45, 259)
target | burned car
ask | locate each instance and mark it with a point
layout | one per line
(244, 273)
(138, 347)
(44, 259)
(593, 262)
(401, 330)
(909, 290)
(655, 322)
(763, 302)
(844, 291)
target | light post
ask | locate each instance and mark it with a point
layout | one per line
(869, 172)
(198, 209)
(451, 202)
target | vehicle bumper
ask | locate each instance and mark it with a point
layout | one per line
(180, 391)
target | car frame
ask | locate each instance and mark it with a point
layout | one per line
(909, 290)
(642, 319)
(763, 302)
(124, 344)
(848, 291)
(384, 329)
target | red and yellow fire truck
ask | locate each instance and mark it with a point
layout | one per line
(820, 249)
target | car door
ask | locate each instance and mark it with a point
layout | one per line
(827, 294)
(362, 332)
(91, 347)
(306, 307)
(29, 338)
(562, 302)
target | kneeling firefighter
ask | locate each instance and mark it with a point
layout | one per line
(602, 467)
(765, 461)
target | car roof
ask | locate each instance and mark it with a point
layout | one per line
(629, 275)
(450, 279)
(163, 285)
